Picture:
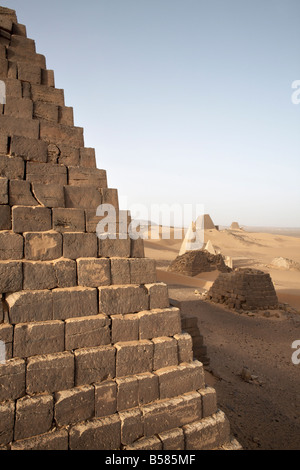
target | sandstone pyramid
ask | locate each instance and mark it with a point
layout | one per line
(210, 248)
(235, 226)
(95, 357)
(194, 238)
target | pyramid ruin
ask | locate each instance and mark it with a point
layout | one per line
(195, 262)
(95, 358)
(244, 289)
(194, 238)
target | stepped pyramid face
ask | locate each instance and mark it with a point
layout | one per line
(94, 356)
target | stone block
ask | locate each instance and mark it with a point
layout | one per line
(6, 336)
(23, 127)
(128, 393)
(11, 276)
(43, 246)
(49, 195)
(87, 332)
(170, 414)
(175, 381)
(3, 191)
(29, 73)
(74, 302)
(60, 134)
(120, 300)
(172, 440)
(48, 78)
(11, 246)
(19, 29)
(55, 440)
(209, 402)
(87, 158)
(45, 111)
(11, 168)
(47, 94)
(159, 295)
(74, 406)
(42, 373)
(12, 380)
(20, 194)
(93, 272)
(31, 219)
(185, 347)
(105, 399)
(124, 328)
(152, 443)
(65, 116)
(148, 388)
(110, 248)
(120, 272)
(101, 434)
(65, 272)
(68, 220)
(19, 108)
(33, 339)
(38, 276)
(165, 353)
(3, 143)
(5, 218)
(69, 156)
(142, 271)
(160, 322)
(13, 88)
(34, 416)
(132, 426)
(46, 173)
(134, 357)
(80, 176)
(79, 245)
(94, 365)
(82, 197)
(30, 306)
(7, 417)
(137, 248)
(110, 196)
(209, 433)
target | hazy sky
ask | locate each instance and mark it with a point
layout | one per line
(185, 101)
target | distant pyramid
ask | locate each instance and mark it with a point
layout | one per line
(210, 248)
(235, 226)
(194, 239)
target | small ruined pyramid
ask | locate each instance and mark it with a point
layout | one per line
(95, 357)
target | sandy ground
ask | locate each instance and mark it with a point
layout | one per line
(265, 413)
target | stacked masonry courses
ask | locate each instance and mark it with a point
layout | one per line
(95, 357)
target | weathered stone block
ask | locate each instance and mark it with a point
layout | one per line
(74, 302)
(3, 191)
(137, 248)
(48, 78)
(11, 168)
(105, 399)
(38, 276)
(209, 433)
(12, 380)
(46, 173)
(3, 143)
(124, 328)
(132, 426)
(120, 272)
(87, 158)
(160, 322)
(74, 406)
(46, 111)
(29, 149)
(65, 272)
(79, 245)
(159, 295)
(128, 393)
(69, 156)
(34, 339)
(47, 94)
(11, 276)
(20, 194)
(82, 197)
(58, 133)
(165, 353)
(172, 440)
(11, 246)
(101, 434)
(93, 272)
(110, 248)
(142, 271)
(29, 73)
(49, 195)
(87, 332)
(42, 373)
(119, 300)
(148, 388)
(57, 440)
(68, 220)
(170, 414)
(30, 306)
(80, 176)
(43, 246)
(65, 116)
(19, 108)
(34, 416)
(175, 381)
(94, 365)
(209, 402)
(185, 347)
(133, 358)
(5, 218)
(31, 219)
(19, 126)
(13, 88)
(152, 443)
(7, 417)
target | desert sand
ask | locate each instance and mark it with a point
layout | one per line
(264, 413)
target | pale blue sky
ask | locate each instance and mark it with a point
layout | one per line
(185, 101)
